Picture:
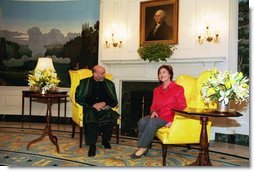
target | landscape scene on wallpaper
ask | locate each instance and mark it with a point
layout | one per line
(67, 31)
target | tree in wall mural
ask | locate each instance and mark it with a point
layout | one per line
(67, 31)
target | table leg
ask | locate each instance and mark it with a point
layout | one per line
(58, 114)
(47, 129)
(23, 100)
(65, 101)
(40, 138)
(203, 157)
(52, 138)
(30, 106)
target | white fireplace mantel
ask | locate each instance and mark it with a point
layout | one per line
(202, 60)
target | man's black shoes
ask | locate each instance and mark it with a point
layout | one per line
(92, 148)
(106, 145)
(92, 151)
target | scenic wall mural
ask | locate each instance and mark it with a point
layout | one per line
(66, 31)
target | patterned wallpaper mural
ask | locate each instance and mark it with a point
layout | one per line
(66, 30)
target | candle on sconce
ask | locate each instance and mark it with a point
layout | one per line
(107, 39)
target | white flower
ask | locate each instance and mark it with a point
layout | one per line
(225, 86)
(224, 96)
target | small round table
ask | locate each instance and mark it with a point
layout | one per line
(203, 157)
(47, 129)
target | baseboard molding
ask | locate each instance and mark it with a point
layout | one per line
(34, 118)
(239, 139)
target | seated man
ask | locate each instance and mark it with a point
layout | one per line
(97, 95)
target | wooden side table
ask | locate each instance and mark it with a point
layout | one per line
(30, 94)
(203, 158)
(47, 130)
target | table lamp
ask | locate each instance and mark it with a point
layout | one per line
(45, 63)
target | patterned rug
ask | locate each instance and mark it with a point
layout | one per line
(14, 142)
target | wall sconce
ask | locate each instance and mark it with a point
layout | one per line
(113, 42)
(208, 37)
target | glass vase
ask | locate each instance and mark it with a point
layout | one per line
(222, 107)
(43, 90)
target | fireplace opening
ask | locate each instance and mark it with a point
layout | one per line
(136, 101)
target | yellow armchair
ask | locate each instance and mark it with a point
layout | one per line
(77, 110)
(185, 129)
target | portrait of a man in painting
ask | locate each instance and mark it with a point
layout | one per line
(159, 21)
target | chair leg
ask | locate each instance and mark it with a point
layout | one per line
(117, 134)
(188, 146)
(164, 154)
(80, 137)
(73, 129)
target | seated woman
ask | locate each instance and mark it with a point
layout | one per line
(166, 97)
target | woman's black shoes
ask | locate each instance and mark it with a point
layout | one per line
(134, 156)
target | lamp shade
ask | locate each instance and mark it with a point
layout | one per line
(45, 63)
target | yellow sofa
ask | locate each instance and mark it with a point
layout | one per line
(186, 129)
(77, 110)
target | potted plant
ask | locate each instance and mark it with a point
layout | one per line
(45, 79)
(155, 52)
(221, 87)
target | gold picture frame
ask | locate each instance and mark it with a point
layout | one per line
(152, 11)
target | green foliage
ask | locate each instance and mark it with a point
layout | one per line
(25, 51)
(57, 51)
(155, 52)
(14, 78)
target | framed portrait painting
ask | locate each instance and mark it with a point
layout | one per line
(159, 21)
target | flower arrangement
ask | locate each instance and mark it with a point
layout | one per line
(225, 86)
(45, 79)
(155, 51)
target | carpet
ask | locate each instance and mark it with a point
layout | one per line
(14, 141)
